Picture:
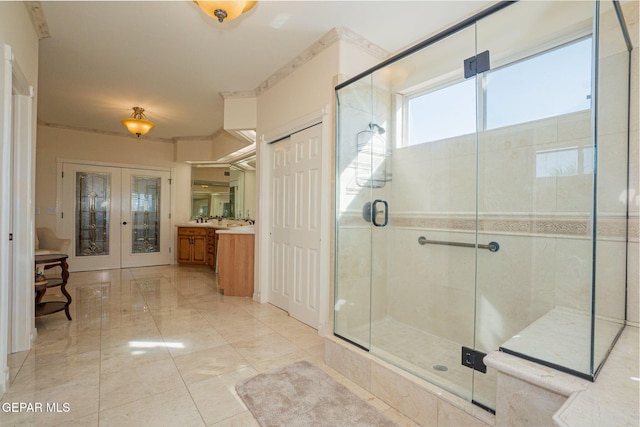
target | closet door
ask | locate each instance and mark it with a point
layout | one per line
(305, 231)
(279, 282)
(295, 225)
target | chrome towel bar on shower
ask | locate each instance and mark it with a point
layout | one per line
(492, 246)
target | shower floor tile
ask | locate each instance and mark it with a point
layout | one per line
(432, 358)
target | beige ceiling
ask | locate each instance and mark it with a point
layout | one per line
(102, 58)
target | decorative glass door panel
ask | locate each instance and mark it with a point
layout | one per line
(145, 210)
(119, 217)
(145, 217)
(91, 215)
(93, 192)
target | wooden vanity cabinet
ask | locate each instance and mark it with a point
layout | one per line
(235, 269)
(192, 245)
(211, 247)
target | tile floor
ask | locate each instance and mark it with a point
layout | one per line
(155, 346)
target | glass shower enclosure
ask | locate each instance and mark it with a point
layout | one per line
(481, 196)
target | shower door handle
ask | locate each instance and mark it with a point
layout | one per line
(374, 212)
(370, 212)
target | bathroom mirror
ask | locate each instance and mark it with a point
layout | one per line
(217, 191)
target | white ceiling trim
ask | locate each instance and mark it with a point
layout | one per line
(211, 137)
(331, 37)
(101, 132)
(38, 19)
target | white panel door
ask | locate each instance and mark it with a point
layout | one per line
(91, 216)
(145, 218)
(295, 225)
(280, 280)
(305, 231)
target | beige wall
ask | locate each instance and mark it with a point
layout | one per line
(54, 144)
(203, 149)
(17, 31)
(283, 109)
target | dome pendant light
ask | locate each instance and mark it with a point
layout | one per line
(138, 123)
(225, 10)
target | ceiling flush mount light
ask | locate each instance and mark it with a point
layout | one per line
(138, 123)
(225, 10)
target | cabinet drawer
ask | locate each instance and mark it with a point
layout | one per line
(211, 232)
(192, 231)
(210, 249)
(210, 240)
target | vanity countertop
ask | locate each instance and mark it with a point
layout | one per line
(224, 229)
(202, 224)
(247, 229)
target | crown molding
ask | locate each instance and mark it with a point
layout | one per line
(211, 137)
(239, 94)
(101, 132)
(332, 36)
(34, 8)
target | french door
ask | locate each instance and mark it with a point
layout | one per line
(115, 217)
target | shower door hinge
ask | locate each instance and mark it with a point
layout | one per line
(473, 359)
(476, 64)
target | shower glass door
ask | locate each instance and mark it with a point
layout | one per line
(407, 188)
(482, 197)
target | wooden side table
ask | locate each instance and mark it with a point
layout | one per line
(50, 307)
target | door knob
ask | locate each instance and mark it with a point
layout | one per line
(124, 222)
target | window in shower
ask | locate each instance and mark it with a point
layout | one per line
(445, 112)
(552, 83)
(568, 161)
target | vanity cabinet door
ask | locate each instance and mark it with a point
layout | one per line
(192, 245)
(184, 249)
(199, 250)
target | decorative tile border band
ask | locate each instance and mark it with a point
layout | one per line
(607, 227)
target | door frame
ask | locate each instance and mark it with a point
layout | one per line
(17, 153)
(264, 151)
(59, 187)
